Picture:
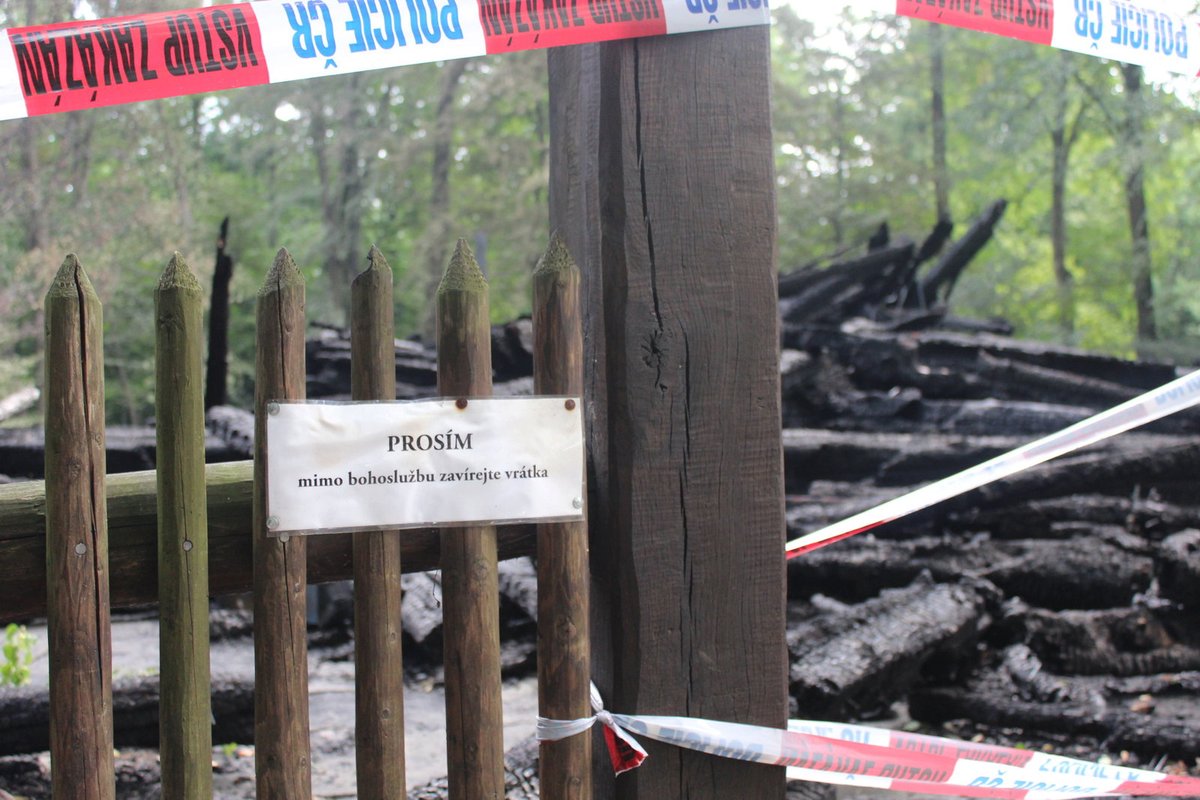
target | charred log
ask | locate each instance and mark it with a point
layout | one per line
(1179, 568)
(26, 714)
(1020, 693)
(854, 663)
(1119, 642)
(937, 285)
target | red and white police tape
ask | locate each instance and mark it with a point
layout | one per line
(91, 63)
(86, 64)
(1169, 398)
(1152, 33)
(855, 755)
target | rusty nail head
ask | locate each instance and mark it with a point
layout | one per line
(461, 402)
(570, 404)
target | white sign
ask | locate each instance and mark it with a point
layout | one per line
(354, 466)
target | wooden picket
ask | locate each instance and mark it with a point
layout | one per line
(185, 700)
(81, 731)
(190, 501)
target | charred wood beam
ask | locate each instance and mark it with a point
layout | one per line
(26, 714)
(1118, 642)
(1086, 572)
(906, 459)
(1178, 568)
(937, 285)
(216, 368)
(848, 664)
(949, 347)
(1020, 694)
(1142, 516)
(847, 289)
(1118, 467)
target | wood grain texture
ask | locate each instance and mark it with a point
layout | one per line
(682, 334)
(76, 565)
(564, 655)
(282, 755)
(185, 721)
(378, 680)
(133, 541)
(471, 599)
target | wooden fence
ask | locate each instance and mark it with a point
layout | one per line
(207, 520)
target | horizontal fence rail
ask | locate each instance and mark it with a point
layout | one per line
(132, 542)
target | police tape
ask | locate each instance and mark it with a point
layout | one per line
(1150, 33)
(859, 756)
(87, 64)
(1169, 398)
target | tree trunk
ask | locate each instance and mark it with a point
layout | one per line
(937, 84)
(1061, 154)
(1135, 201)
(342, 171)
(438, 234)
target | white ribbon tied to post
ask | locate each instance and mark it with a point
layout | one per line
(625, 751)
(864, 757)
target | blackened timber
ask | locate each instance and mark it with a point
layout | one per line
(216, 368)
(847, 289)
(26, 714)
(1122, 642)
(1020, 693)
(936, 286)
(935, 241)
(1079, 573)
(845, 665)
(945, 347)
(1178, 568)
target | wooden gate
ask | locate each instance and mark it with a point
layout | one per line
(76, 509)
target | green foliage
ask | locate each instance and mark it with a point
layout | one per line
(18, 656)
(853, 132)
(328, 167)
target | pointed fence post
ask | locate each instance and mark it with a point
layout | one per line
(281, 744)
(184, 716)
(471, 600)
(80, 635)
(562, 565)
(378, 676)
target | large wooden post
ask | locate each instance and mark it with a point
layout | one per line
(662, 184)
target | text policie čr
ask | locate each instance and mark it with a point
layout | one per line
(416, 475)
(1134, 26)
(372, 24)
